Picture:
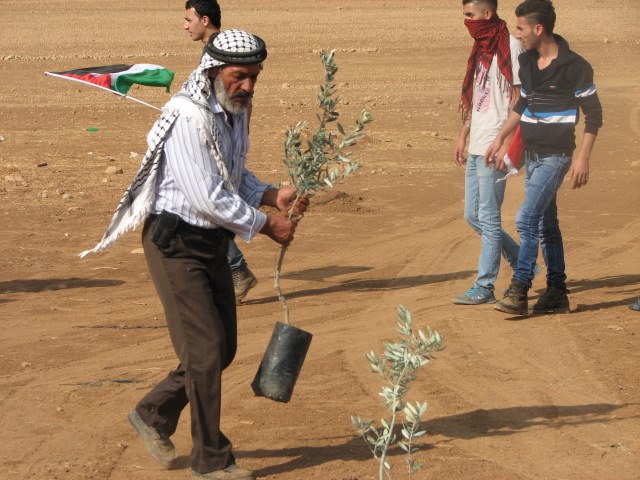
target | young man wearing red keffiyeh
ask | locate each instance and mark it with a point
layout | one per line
(489, 91)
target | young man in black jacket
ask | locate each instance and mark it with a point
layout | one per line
(556, 84)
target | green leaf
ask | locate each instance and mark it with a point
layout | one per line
(410, 409)
(403, 358)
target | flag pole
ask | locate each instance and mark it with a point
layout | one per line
(103, 88)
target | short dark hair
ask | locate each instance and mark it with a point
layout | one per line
(493, 4)
(538, 11)
(206, 8)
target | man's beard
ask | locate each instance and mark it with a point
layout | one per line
(226, 101)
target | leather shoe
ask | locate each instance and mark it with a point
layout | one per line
(158, 445)
(232, 472)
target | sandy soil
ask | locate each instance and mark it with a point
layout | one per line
(551, 397)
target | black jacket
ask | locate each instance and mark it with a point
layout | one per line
(551, 100)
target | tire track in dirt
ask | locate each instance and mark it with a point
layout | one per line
(546, 398)
(531, 401)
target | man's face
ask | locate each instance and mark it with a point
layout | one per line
(234, 84)
(195, 25)
(529, 35)
(475, 11)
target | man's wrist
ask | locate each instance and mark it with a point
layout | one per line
(269, 197)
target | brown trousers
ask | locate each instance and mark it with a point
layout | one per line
(194, 283)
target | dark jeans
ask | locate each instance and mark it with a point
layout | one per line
(235, 256)
(193, 280)
(537, 220)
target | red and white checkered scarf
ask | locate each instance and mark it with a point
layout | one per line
(491, 38)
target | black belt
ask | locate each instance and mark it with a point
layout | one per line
(184, 227)
(540, 150)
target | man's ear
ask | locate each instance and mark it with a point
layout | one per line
(205, 20)
(488, 14)
(213, 72)
(538, 29)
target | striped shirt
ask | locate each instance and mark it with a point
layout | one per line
(190, 185)
(552, 98)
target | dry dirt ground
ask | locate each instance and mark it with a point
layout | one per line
(551, 397)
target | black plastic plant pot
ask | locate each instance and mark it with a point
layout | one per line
(281, 363)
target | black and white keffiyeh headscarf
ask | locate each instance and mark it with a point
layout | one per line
(237, 47)
(231, 47)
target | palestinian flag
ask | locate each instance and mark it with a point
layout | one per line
(513, 157)
(121, 77)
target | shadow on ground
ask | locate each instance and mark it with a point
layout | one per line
(301, 457)
(469, 425)
(610, 282)
(51, 284)
(509, 421)
(370, 285)
(296, 458)
(603, 305)
(321, 273)
(583, 285)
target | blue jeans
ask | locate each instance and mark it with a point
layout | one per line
(482, 202)
(234, 256)
(537, 219)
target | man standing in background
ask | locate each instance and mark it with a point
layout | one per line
(488, 93)
(203, 19)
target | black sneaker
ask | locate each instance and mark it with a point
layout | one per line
(553, 300)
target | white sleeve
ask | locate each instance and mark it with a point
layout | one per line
(199, 181)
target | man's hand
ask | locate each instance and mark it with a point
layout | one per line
(280, 228)
(458, 152)
(283, 199)
(497, 161)
(579, 172)
(286, 198)
(494, 152)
